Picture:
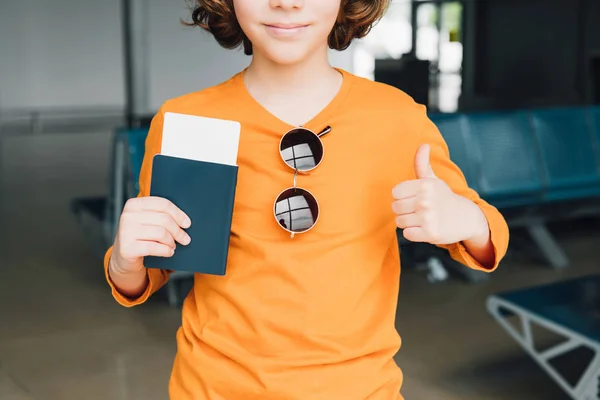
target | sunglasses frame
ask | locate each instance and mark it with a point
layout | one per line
(293, 233)
(296, 171)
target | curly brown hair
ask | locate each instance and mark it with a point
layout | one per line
(354, 21)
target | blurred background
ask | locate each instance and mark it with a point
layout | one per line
(514, 87)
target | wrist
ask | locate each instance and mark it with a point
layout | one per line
(129, 283)
(480, 234)
(115, 267)
(479, 244)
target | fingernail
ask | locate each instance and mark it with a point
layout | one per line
(187, 240)
(187, 222)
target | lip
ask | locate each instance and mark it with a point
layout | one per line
(286, 26)
(285, 30)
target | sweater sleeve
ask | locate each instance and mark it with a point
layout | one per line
(449, 172)
(157, 278)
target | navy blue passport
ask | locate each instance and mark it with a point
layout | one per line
(205, 191)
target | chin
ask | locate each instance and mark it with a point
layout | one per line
(287, 54)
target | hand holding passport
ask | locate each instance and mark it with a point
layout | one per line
(197, 171)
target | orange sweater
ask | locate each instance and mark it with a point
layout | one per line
(310, 317)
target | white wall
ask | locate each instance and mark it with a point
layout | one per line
(181, 59)
(68, 53)
(60, 53)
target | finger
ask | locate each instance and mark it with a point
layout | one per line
(415, 234)
(423, 168)
(406, 189)
(408, 221)
(155, 249)
(153, 218)
(163, 205)
(144, 248)
(405, 206)
(155, 233)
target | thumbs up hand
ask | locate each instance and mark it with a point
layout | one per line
(429, 211)
(423, 168)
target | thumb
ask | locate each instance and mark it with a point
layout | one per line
(422, 164)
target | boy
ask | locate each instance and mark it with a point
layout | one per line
(310, 317)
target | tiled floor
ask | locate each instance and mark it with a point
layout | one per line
(63, 337)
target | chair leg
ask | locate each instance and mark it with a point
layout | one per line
(172, 293)
(589, 386)
(437, 272)
(498, 308)
(551, 250)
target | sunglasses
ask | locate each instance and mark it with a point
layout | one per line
(296, 209)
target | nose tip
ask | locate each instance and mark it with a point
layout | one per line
(287, 4)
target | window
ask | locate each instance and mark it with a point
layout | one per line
(390, 38)
(437, 39)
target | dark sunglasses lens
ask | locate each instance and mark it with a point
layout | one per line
(301, 149)
(296, 210)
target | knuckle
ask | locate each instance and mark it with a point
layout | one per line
(165, 221)
(428, 219)
(127, 206)
(424, 203)
(427, 187)
(126, 215)
(167, 206)
(131, 204)
(157, 203)
(166, 236)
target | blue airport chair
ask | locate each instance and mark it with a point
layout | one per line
(511, 176)
(136, 141)
(453, 130)
(567, 146)
(509, 173)
(569, 309)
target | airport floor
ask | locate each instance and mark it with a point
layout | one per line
(62, 336)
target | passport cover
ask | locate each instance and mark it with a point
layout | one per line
(205, 191)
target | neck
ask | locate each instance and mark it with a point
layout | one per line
(283, 79)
